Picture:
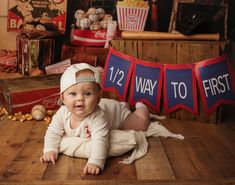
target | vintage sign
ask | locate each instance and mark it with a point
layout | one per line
(216, 82)
(180, 89)
(146, 83)
(117, 73)
(28, 10)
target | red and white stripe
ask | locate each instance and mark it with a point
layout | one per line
(88, 37)
(126, 14)
(58, 68)
(77, 40)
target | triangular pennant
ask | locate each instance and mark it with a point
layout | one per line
(117, 73)
(180, 89)
(216, 82)
(146, 83)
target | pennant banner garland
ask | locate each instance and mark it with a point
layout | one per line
(214, 77)
(216, 83)
(146, 83)
(180, 89)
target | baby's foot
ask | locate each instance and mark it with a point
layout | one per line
(140, 105)
(142, 110)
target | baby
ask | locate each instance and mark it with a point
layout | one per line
(83, 113)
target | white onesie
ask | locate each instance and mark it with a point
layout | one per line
(109, 115)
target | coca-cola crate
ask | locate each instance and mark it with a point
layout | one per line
(8, 60)
(88, 37)
(21, 94)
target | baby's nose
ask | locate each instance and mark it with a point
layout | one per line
(80, 98)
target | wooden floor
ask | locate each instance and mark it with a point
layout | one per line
(205, 157)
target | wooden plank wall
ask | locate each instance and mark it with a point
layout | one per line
(175, 52)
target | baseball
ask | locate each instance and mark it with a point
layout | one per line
(39, 112)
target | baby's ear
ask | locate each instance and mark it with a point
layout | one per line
(100, 96)
(60, 101)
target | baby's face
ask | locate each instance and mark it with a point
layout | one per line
(82, 99)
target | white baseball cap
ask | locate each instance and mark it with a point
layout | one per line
(69, 77)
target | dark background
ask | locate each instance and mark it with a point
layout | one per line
(164, 8)
(163, 14)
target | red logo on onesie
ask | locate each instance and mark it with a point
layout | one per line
(87, 130)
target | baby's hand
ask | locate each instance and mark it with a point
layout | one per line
(91, 169)
(49, 157)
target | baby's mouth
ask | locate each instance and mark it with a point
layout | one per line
(79, 106)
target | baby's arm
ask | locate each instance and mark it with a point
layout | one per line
(53, 138)
(99, 138)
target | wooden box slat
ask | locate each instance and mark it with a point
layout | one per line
(31, 83)
(165, 52)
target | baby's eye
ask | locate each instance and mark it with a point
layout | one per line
(87, 93)
(72, 93)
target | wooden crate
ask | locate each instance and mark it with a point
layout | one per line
(175, 52)
(21, 94)
(34, 53)
(95, 56)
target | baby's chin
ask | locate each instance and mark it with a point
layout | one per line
(81, 114)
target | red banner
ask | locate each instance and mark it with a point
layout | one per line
(214, 76)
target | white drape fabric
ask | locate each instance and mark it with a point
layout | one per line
(120, 142)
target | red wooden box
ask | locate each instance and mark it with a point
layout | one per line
(21, 94)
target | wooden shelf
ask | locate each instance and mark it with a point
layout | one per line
(4, 75)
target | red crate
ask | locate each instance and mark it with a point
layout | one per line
(21, 94)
